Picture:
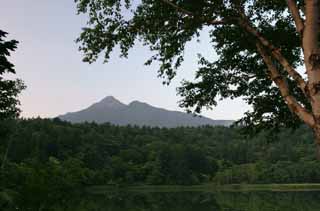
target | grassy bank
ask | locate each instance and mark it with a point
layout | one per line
(208, 188)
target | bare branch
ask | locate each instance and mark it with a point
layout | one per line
(296, 15)
(281, 83)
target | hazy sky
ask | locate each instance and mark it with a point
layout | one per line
(57, 80)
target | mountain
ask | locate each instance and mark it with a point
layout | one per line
(137, 113)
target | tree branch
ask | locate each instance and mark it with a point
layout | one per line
(274, 73)
(291, 71)
(296, 15)
(187, 12)
(281, 83)
(277, 55)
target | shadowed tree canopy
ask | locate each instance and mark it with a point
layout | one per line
(9, 89)
(268, 51)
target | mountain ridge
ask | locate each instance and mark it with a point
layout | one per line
(111, 110)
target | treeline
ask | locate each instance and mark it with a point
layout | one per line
(38, 154)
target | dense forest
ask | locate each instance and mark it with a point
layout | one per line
(43, 156)
(37, 151)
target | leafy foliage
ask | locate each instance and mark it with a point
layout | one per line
(166, 26)
(9, 89)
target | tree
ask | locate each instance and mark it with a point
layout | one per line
(262, 47)
(9, 89)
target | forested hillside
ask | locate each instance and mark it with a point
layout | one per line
(41, 153)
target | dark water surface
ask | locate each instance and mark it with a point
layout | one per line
(184, 201)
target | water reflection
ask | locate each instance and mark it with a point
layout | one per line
(179, 201)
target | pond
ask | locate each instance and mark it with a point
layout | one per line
(184, 201)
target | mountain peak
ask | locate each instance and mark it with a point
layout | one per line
(110, 101)
(138, 113)
(109, 98)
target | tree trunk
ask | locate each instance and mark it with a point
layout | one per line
(311, 53)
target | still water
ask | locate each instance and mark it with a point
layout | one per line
(185, 201)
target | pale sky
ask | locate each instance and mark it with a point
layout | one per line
(57, 80)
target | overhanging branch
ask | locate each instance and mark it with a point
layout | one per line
(275, 52)
(281, 83)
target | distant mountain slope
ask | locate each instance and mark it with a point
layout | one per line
(137, 113)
